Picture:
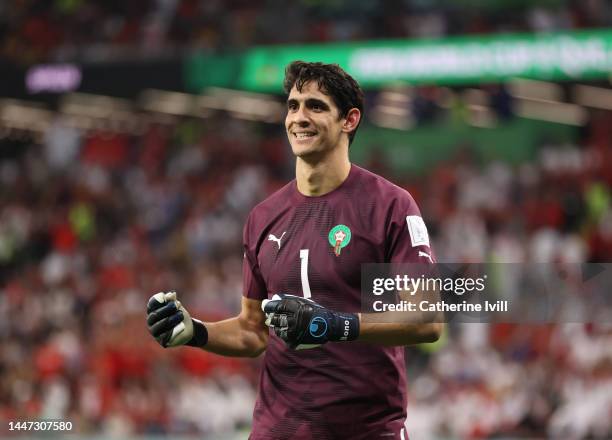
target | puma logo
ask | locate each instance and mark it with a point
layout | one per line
(272, 237)
(425, 254)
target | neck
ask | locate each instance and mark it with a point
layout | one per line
(319, 177)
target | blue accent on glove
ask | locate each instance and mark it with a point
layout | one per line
(318, 327)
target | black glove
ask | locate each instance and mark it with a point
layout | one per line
(302, 323)
(170, 323)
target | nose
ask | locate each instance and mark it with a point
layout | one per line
(299, 117)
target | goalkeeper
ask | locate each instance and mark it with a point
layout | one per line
(303, 250)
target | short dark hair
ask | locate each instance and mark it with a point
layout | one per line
(332, 80)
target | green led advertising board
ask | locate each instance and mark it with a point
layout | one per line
(452, 61)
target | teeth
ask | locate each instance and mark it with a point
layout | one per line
(303, 135)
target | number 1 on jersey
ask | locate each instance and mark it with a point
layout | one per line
(304, 272)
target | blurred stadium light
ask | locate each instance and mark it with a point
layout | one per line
(594, 97)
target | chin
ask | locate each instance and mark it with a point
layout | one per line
(303, 150)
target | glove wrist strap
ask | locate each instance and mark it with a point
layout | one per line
(200, 334)
(346, 328)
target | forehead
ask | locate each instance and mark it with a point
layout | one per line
(310, 90)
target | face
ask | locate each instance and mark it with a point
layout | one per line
(313, 124)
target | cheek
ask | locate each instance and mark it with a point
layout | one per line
(334, 129)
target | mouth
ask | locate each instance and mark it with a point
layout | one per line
(302, 135)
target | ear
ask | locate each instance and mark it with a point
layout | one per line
(351, 121)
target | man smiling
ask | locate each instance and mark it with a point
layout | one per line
(303, 250)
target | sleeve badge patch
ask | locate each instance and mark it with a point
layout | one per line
(417, 230)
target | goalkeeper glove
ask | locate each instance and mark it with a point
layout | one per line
(302, 323)
(170, 323)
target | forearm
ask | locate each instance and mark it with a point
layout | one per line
(397, 333)
(403, 327)
(236, 337)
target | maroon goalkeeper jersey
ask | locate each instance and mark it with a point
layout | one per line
(314, 247)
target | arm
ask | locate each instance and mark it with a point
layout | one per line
(400, 328)
(242, 335)
(171, 325)
(390, 333)
(302, 323)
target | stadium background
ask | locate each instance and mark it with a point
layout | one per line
(131, 152)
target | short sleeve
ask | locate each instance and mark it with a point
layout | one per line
(253, 285)
(408, 238)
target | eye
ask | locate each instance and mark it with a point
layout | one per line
(292, 106)
(316, 106)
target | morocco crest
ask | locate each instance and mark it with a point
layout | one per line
(339, 237)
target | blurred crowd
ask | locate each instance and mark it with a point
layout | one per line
(553, 208)
(94, 222)
(520, 380)
(33, 31)
(91, 225)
